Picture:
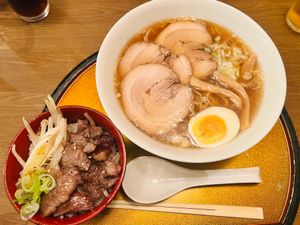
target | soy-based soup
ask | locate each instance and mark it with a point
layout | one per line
(189, 82)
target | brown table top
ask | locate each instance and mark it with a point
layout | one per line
(34, 58)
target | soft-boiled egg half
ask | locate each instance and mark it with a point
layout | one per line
(213, 126)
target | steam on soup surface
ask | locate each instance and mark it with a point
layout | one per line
(189, 82)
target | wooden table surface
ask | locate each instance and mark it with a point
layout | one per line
(34, 58)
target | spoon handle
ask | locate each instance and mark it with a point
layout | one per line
(224, 176)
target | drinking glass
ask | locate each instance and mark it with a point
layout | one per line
(30, 10)
(293, 16)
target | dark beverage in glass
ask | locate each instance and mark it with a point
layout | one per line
(30, 10)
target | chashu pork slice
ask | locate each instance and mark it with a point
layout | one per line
(189, 38)
(153, 98)
(141, 53)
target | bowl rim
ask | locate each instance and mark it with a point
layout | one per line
(136, 135)
(107, 200)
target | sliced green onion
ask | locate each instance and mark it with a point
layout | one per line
(22, 196)
(47, 183)
(36, 196)
(36, 184)
(29, 210)
(31, 187)
(30, 183)
(26, 183)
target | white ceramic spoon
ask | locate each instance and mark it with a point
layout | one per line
(151, 179)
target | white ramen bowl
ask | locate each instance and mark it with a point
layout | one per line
(256, 38)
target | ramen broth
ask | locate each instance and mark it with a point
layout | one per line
(253, 86)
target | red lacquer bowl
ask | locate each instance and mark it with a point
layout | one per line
(12, 168)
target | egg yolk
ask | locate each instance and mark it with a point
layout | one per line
(209, 129)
